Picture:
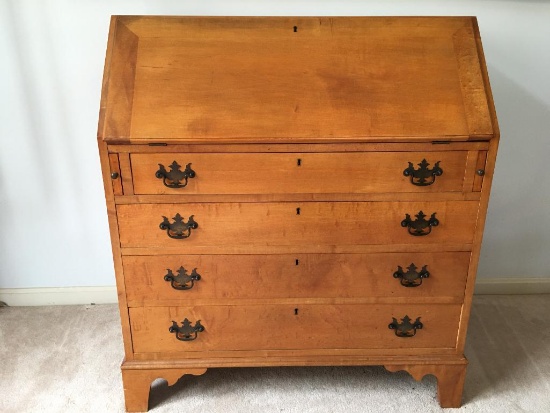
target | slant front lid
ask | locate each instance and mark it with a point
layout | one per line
(257, 79)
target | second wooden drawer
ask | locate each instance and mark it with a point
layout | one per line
(224, 226)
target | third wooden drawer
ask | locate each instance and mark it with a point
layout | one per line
(151, 280)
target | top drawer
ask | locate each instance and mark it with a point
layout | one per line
(299, 173)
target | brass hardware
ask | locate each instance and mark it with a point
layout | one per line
(173, 178)
(420, 176)
(186, 332)
(182, 281)
(411, 278)
(420, 226)
(405, 328)
(179, 229)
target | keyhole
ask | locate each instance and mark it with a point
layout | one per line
(295, 311)
(299, 162)
(295, 29)
(297, 211)
(297, 261)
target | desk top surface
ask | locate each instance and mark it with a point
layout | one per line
(294, 79)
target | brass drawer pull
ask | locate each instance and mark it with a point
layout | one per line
(173, 178)
(411, 278)
(186, 332)
(420, 226)
(179, 229)
(405, 328)
(182, 281)
(419, 177)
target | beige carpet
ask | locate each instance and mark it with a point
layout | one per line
(66, 359)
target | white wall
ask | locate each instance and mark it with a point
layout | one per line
(53, 225)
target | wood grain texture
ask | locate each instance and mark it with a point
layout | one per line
(303, 197)
(106, 76)
(486, 83)
(471, 161)
(471, 83)
(298, 357)
(344, 276)
(297, 326)
(121, 73)
(115, 247)
(427, 146)
(296, 249)
(478, 237)
(298, 173)
(272, 224)
(484, 201)
(389, 84)
(126, 174)
(480, 166)
(115, 168)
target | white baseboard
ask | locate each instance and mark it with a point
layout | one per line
(108, 294)
(58, 296)
(512, 286)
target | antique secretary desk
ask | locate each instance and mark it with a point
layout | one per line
(295, 191)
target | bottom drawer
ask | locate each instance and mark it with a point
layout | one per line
(286, 327)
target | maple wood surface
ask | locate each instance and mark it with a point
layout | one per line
(428, 145)
(318, 223)
(293, 326)
(259, 173)
(192, 79)
(115, 169)
(299, 130)
(115, 246)
(287, 276)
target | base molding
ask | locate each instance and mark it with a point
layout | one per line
(512, 286)
(449, 371)
(16, 297)
(339, 358)
(108, 295)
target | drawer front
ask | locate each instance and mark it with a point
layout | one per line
(226, 225)
(294, 276)
(281, 327)
(297, 173)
